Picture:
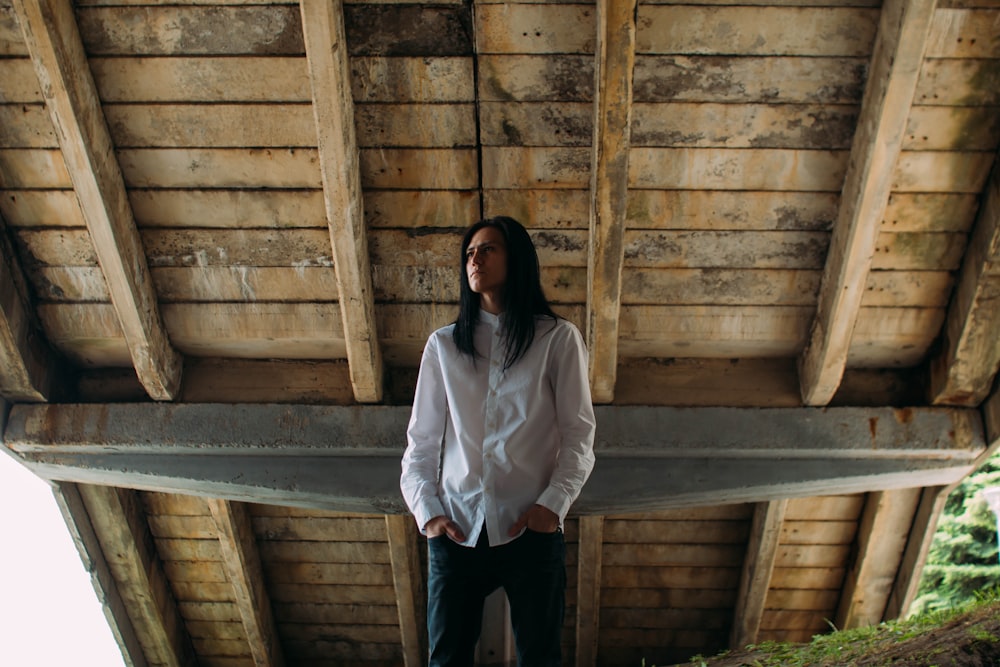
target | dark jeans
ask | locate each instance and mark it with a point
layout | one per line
(532, 572)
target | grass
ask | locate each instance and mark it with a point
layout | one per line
(932, 638)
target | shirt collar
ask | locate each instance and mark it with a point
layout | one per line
(490, 319)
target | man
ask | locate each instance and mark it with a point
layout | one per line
(499, 444)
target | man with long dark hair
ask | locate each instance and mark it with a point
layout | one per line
(499, 444)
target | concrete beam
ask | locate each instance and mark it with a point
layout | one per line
(347, 458)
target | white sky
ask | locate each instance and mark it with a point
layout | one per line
(49, 613)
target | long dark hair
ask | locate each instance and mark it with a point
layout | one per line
(523, 297)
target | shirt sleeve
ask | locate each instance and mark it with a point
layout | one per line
(425, 434)
(576, 424)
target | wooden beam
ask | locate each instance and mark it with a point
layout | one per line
(242, 562)
(932, 502)
(758, 566)
(77, 519)
(881, 542)
(408, 580)
(119, 523)
(588, 589)
(26, 361)
(333, 107)
(904, 27)
(615, 60)
(963, 371)
(347, 458)
(53, 40)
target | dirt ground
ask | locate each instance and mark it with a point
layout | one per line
(970, 640)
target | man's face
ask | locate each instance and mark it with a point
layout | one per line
(486, 262)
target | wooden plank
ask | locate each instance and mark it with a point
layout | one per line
(60, 60)
(219, 168)
(267, 381)
(952, 129)
(958, 82)
(942, 171)
(898, 53)
(278, 209)
(702, 531)
(325, 552)
(705, 382)
(349, 603)
(811, 555)
(41, 208)
(729, 250)
(407, 578)
(818, 532)
(655, 555)
(588, 585)
(28, 168)
(131, 31)
(708, 125)
(962, 373)
(961, 33)
(536, 29)
(242, 561)
(88, 545)
(413, 169)
(29, 368)
(825, 508)
(431, 208)
(774, 80)
(612, 119)
(917, 212)
(329, 74)
(209, 78)
(329, 573)
(756, 31)
(732, 211)
(26, 126)
(736, 169)
(882, 535)
(812, 578)
(919, 251)
(667, 598)
(142, 582)
(758, 568)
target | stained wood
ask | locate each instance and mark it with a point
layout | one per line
(403, 538)
(329, 573)
(57, 51)
(758, 568)
(818, 532)
(612, 120)
(959, 82)
(522, 28)
(243, 565)
(349, 603)
(962, 372)
(588, 584)
(704, 530)
(48, 208)
(670, 577)
(963, 33)
(267, 381)
(756, 31)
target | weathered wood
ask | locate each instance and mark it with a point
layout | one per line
(963, 33)
(142, 582)
(46, 208)
(899, 51)
(758, 568)
(882, 535)
(220, 168)
(609, 162)
(348, 458)
(954, 82)
(963, 371)
(588, 585)
(524, 28)
(952, 129)
(941, 171)
(60, 61)
(28, 365)
(88, 545)
(756, 31)
(407, 578)
(708, 382)
(242, 561)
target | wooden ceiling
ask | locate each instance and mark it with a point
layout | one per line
(229, 227)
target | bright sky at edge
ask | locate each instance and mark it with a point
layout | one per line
(49, 613)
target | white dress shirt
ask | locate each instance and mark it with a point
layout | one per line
(484, 444)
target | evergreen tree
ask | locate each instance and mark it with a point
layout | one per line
(963, 558)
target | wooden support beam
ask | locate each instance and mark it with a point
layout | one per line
(904, 27)
(347, 458)
(129, 550)
(588, 589)
(81, 529)
(758, 566)
(241, 559)
(881, 541)
(26, 361)
(615, 60)
(408, 580)
(333, 107)
(53, 40)
(963, 371)
(932, 502)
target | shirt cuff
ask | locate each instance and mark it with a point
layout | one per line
(555, 501)
(427, 510)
